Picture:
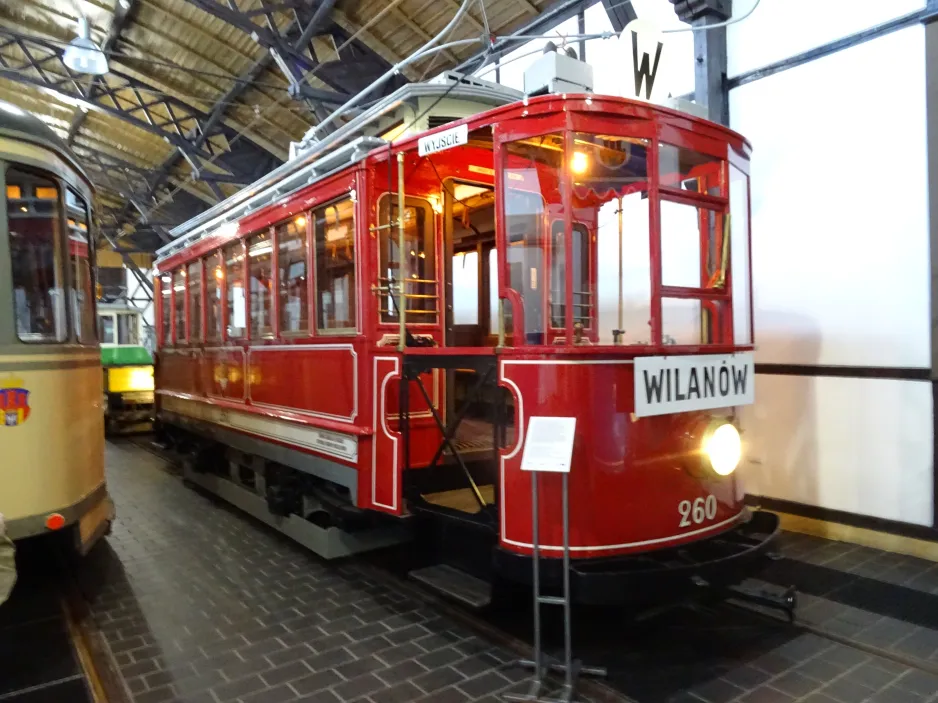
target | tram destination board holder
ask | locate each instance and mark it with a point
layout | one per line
(548, 448)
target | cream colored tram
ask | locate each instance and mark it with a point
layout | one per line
(51, 414)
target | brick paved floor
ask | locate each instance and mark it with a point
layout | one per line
(37, 662)
(200, 603)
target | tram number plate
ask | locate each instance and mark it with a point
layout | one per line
(697, 512)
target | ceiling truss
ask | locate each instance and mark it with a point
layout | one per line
(185, 151)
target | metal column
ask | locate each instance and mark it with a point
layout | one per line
(709, 53)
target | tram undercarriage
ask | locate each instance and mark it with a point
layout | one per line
(452, 507)
(263, 480)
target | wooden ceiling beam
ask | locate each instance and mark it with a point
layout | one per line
(420, 31)
(376, 45)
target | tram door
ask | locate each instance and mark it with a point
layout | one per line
(469, 231)
(469, 236)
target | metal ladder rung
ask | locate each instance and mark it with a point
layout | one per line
(551, 600)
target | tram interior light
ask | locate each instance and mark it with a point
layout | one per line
(300, 221)
(580, 162)
(723, 447)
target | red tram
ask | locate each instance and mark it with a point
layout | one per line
(353, 346)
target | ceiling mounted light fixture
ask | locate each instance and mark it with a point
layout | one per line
(83, 55)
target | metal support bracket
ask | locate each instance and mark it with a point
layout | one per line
(542, 664)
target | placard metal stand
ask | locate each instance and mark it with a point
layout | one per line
(550, 440)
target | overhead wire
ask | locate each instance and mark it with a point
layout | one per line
(274, 104)
(484, 56)
(428, 48)
(426, 51)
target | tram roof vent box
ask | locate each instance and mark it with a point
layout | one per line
(688, 106)
(557, 72)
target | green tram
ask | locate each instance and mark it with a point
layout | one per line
(128, 369)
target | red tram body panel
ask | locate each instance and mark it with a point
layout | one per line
(290, 335)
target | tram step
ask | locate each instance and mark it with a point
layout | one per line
(454, 583)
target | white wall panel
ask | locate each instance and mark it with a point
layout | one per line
(839, 207)
(779, 29)
(859, 445)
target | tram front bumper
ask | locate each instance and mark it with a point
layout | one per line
(89, 518)
(661, 576)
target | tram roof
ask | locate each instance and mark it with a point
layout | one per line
(20, 124)
(318, 160)
(322, 160)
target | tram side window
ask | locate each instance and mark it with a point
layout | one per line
(214, 284)
(179, 301)
(79, 253)
(293, 277)
(35, 238)
(166, 308)
(260, 258)
(334, 231)
(689, 170)
(739, 259)
(128, 329)
(419, 261)
(195, 301)
(234, 280)
(106, 329)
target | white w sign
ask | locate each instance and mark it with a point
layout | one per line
(644, 47)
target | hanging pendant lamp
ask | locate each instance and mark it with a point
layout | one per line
(83, 55)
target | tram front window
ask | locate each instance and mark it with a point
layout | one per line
(35, 239)
(533, 170)
(609, 179)
(594, 274)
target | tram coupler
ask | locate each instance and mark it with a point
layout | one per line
(786, 600)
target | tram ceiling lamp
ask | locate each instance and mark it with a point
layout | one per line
(82, 55)
(579, 163)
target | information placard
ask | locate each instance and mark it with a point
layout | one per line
(549, 444)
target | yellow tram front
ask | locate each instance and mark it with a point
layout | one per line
(51, 420)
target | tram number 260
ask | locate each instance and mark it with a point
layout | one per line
(698, 511)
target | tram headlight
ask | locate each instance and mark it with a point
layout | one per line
(722, 447)
(128, 379)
